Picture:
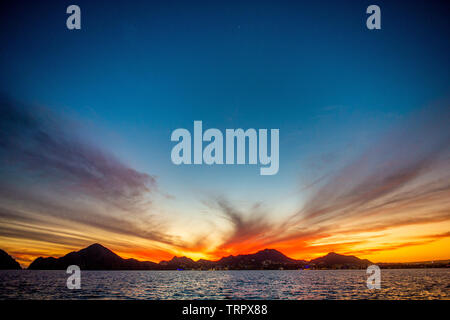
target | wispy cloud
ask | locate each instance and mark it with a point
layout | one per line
(52, 177)
(408, 164)
(249, 228)
(38, 143)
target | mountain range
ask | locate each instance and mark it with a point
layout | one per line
(97, 257)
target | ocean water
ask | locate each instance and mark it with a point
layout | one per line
(313, 284)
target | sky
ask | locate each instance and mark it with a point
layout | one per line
(363, 119)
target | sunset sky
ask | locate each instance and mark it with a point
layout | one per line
(86, 119)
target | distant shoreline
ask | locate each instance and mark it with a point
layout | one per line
(221, 270)
(98, 257)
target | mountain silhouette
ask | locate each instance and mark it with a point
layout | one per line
(333, 260)
(97, 257)
(264, 259)
(94, 257)
(179, 263)
(7, 262)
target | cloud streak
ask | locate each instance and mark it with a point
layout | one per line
(51, 176)
(38, 143)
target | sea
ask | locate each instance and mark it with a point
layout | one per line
(252, 284)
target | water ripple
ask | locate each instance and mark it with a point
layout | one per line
(313, 284)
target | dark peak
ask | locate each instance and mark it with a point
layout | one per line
(264, 252)
(337, 255)
(333, 258)
(270, 251)
(183, 259)
(333, 254)
(263, 257)
(96, 251)
(96, 246)
(8, 262)
(93, 257)
(275, 255)
(204, 261)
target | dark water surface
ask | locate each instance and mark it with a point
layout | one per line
(313, 284)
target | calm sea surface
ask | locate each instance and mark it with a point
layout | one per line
(320, 284)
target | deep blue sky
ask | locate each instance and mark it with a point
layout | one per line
(138, 70)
